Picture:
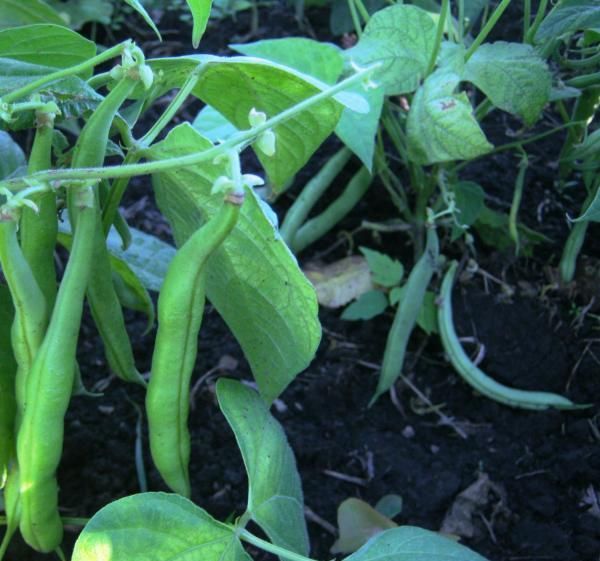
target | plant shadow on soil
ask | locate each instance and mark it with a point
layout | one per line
(544, 466)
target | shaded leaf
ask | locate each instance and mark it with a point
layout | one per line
(15, 13)
(12, 158)
(76, 12)
(211, 124)
(368, 305)
(569, 16)
(386, 271)
(275, 499)
(390, 505)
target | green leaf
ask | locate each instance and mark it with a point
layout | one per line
(588, 150)
(147, 256)
(340, 19)
(470, 201)
(569, 16)
(323, 61)
(77, 13)
(386, 271)
(358, 522)
(369, 305)
(15, 13)
(513, 76)
(46, 45)
(12, 158)
(401, 38)
(253, 280)
(275, 500)
(139, 8)
(233, 86)
(474, 8)
(390, 505)
(427, 318)
(211, 124)
(200, 13)
(357, 131)
(441, 126)
(452, 57)
(155, 527)
(408, 543)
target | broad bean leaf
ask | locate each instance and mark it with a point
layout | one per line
(452, 57)
(366, 307)
(12, 158)
(233, 86)
(473, 9)
(156, 527)
(441, 126)
(323, 61)
(76, 12)
(275, 499)
(15, 13)
(470, 201)
(200, 10)
(211, 124)
(569, 16)
(402, 39)
(147, 256)
(408, 543)
(386, 271)
(46, 45)
(253, 280)
(139, 8)
(513, 76)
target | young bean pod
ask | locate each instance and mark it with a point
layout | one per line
(406, 314)
(8, 370)
(48, 391)
(476, 378)
(180, 310)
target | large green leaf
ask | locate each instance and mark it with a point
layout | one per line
(253, 280)
(441, 126)
(513, 76)
(402, 39)
(211, 124)
(324, 61)
(275, 499)
(14, 13)
(76, 13)
(156, 527)
(46, 45)
(408, 543)
(569, 16)
(233, 86)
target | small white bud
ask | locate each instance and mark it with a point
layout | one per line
(256, 118)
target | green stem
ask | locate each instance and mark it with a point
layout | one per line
(581, 63)
(439, 34)
(174, 106)
(355, 18)
(271, 548)
(539, 17)
(487, 28)
(483, 109)
(364, 13)
(241, 138)
(64, 72)
(526, 17)
(585, 81)
(516, 203)
(461, 20)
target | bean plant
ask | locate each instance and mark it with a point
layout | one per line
(83, 105)
(438, 81)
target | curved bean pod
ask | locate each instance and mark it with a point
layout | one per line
(475, 377)
(407, 314)
(180, 310)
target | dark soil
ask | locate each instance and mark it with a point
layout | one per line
(544, 467)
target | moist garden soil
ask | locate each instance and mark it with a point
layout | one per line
(536, 474)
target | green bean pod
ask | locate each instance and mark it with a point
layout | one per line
(48, 391)
(180, 310)
(101, 294)
(38, 230)
(406, 315)
(8, 370)
(475, 377)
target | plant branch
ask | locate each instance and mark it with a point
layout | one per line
(271, 548)
(487, 28)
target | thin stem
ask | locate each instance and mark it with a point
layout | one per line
(174, 106)
(526, 17)
(461, 20)
(64, 72)
(241, 138)
(539, 17)
(355, 18)
(487, 28)
(364, 13)
(271, 548)
(439, 34)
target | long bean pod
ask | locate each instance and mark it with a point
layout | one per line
(475, 377)
(407, 314)
(8, 370)
(180, 310)
(49, 386)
